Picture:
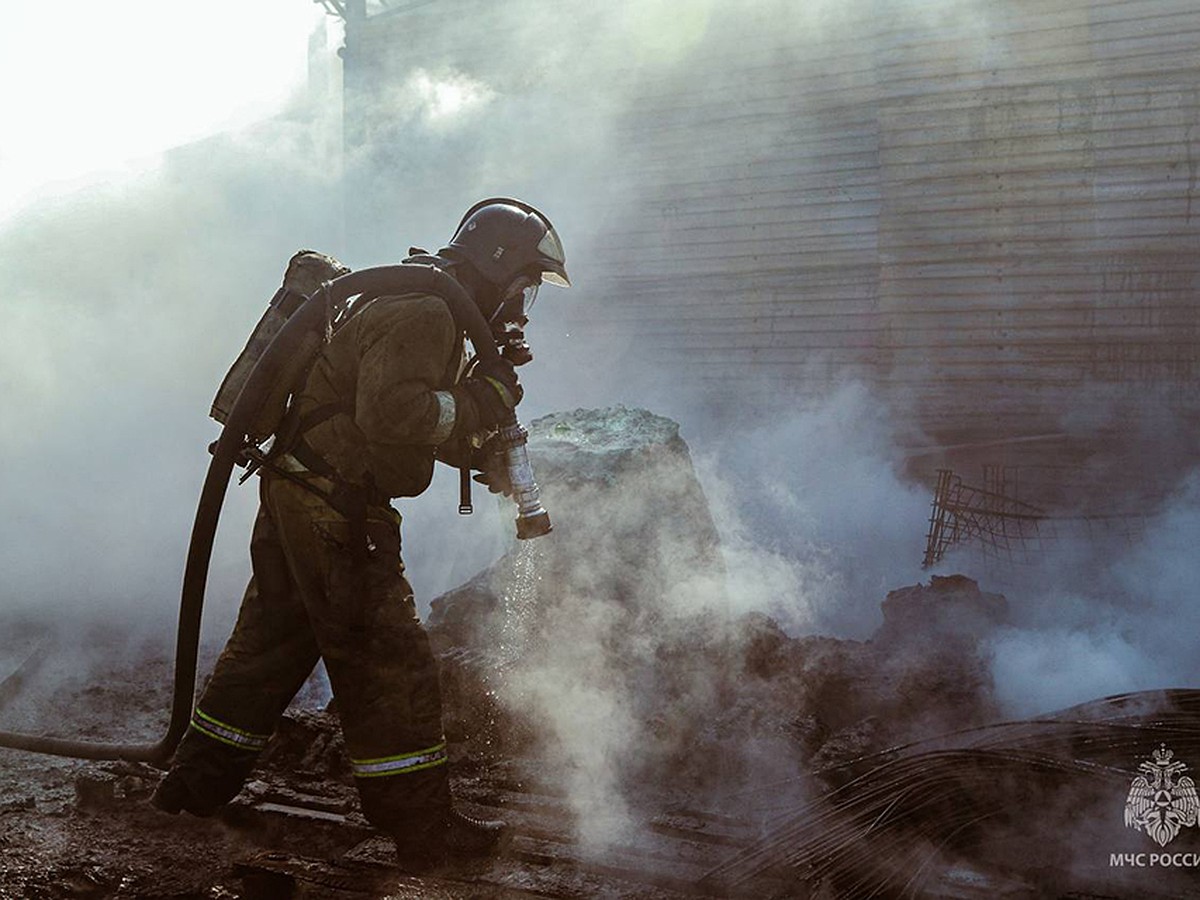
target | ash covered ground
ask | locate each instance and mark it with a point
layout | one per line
(644, 737)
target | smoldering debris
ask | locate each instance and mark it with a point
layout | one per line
(635, 720)
(638, 683)
(609, 652)
(578, 682)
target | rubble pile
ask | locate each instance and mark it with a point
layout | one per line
(636, 546)
(924, 671)
(630, 522)
(625, 597)
(704, 686)
(606, 650)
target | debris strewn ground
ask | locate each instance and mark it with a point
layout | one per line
(643, 741)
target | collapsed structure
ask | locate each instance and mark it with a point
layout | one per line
(636, 729)
(985, 214)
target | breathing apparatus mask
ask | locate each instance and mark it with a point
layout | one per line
(510, 318)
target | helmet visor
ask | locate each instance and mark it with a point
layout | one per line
(553, 259)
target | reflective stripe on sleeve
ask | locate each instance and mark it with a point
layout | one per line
(227, 734)
(447, 413)
(401, 764)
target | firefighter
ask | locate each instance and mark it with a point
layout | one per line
(385, 395)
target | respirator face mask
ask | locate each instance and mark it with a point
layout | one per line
(517, 302)
(511, 315)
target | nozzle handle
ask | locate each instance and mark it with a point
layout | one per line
(532, 518)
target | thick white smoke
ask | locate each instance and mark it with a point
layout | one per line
(1102, 617)
(128, 302)
(630, 665)
(819, 490)
(125, 304)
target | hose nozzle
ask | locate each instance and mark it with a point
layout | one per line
(532, 518)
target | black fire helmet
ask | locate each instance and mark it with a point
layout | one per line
(504, 238)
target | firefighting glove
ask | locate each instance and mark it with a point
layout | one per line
(494, 387)
(493, 473)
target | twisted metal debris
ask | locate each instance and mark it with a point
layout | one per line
(1005, 804)
(1004, 529)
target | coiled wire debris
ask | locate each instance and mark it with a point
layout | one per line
(1026, 808)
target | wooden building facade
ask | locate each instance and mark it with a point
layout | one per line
(986, 211)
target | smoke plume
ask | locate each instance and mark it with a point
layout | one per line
(127, 301)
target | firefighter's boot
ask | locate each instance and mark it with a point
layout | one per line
(468, 837)
(458, 838)
(173, 796)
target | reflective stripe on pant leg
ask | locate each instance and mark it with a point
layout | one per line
(226, 733)
(401, 763)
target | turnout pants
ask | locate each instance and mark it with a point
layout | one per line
(314, 595)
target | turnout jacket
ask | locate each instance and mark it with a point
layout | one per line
(384, 393)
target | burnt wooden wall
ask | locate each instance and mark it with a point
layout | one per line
(988, 212)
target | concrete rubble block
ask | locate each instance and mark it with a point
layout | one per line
(627, 592)
(631, 521)
(95, 789)
(950, 607)
(924, 672)
(100, 786)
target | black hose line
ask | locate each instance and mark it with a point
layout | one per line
(296, 337)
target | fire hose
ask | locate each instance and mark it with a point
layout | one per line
(300, 336)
